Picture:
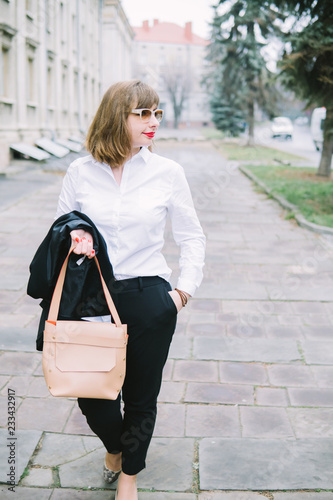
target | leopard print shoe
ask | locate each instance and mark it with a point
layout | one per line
(109, 475)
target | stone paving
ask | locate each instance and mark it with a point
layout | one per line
(246, 407)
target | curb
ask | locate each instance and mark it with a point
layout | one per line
(300, 219)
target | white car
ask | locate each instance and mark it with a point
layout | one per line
(282, 127)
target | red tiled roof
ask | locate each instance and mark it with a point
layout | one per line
(167, 33)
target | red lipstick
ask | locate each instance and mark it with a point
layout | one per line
(150, 134)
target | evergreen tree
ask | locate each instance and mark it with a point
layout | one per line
(240, 75)
(307, 67)
(227, 114)
(225, 103)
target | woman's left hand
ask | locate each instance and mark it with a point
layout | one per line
(177, 299)
(84, 243)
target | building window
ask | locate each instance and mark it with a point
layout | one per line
(83, 43)
(49, 15)
(30, 79)
(50, 86)
(7, 82)
(74, 32)
(93, 91)
(4, 72)
(162, 59)
(143, 56)
(179, 61)
(76, 92)
(31, 61)
(85, 89)
(64, 89)
(63, 22)
(30, 8)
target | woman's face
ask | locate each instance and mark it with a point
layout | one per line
(142, 132)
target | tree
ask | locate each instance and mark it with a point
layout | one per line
(240, 73)
(226, 104)
(177, 85)
(226, 109)
(307, 64)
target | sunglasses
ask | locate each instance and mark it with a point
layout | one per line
(146, 114)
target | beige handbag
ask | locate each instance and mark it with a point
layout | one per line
(82, 358)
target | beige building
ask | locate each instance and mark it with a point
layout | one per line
(172, 59)
(53, 68)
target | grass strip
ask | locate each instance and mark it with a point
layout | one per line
(238, 152)
(312, 195)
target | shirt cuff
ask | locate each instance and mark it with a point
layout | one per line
(186, 286)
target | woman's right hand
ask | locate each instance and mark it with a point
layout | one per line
(177, 300)
(84, 243)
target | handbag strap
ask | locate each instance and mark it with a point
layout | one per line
(55, 302)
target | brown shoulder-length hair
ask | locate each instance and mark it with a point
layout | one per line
(109, 138)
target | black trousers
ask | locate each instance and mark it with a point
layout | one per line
(145, 305)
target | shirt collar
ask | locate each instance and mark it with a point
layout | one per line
(143, 154)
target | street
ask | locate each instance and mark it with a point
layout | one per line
(301, 145)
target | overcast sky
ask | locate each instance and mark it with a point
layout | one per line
(176, 11)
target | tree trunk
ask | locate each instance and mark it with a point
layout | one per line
(177, 111)
(324, 169)
(250, 141)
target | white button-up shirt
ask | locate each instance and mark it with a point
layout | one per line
(132, 216)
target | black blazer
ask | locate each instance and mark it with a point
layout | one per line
(82, 292)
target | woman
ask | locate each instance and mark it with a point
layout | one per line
(128, 191)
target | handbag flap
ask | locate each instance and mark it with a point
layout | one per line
(82, 358)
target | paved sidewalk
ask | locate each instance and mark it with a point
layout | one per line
(246, 408)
